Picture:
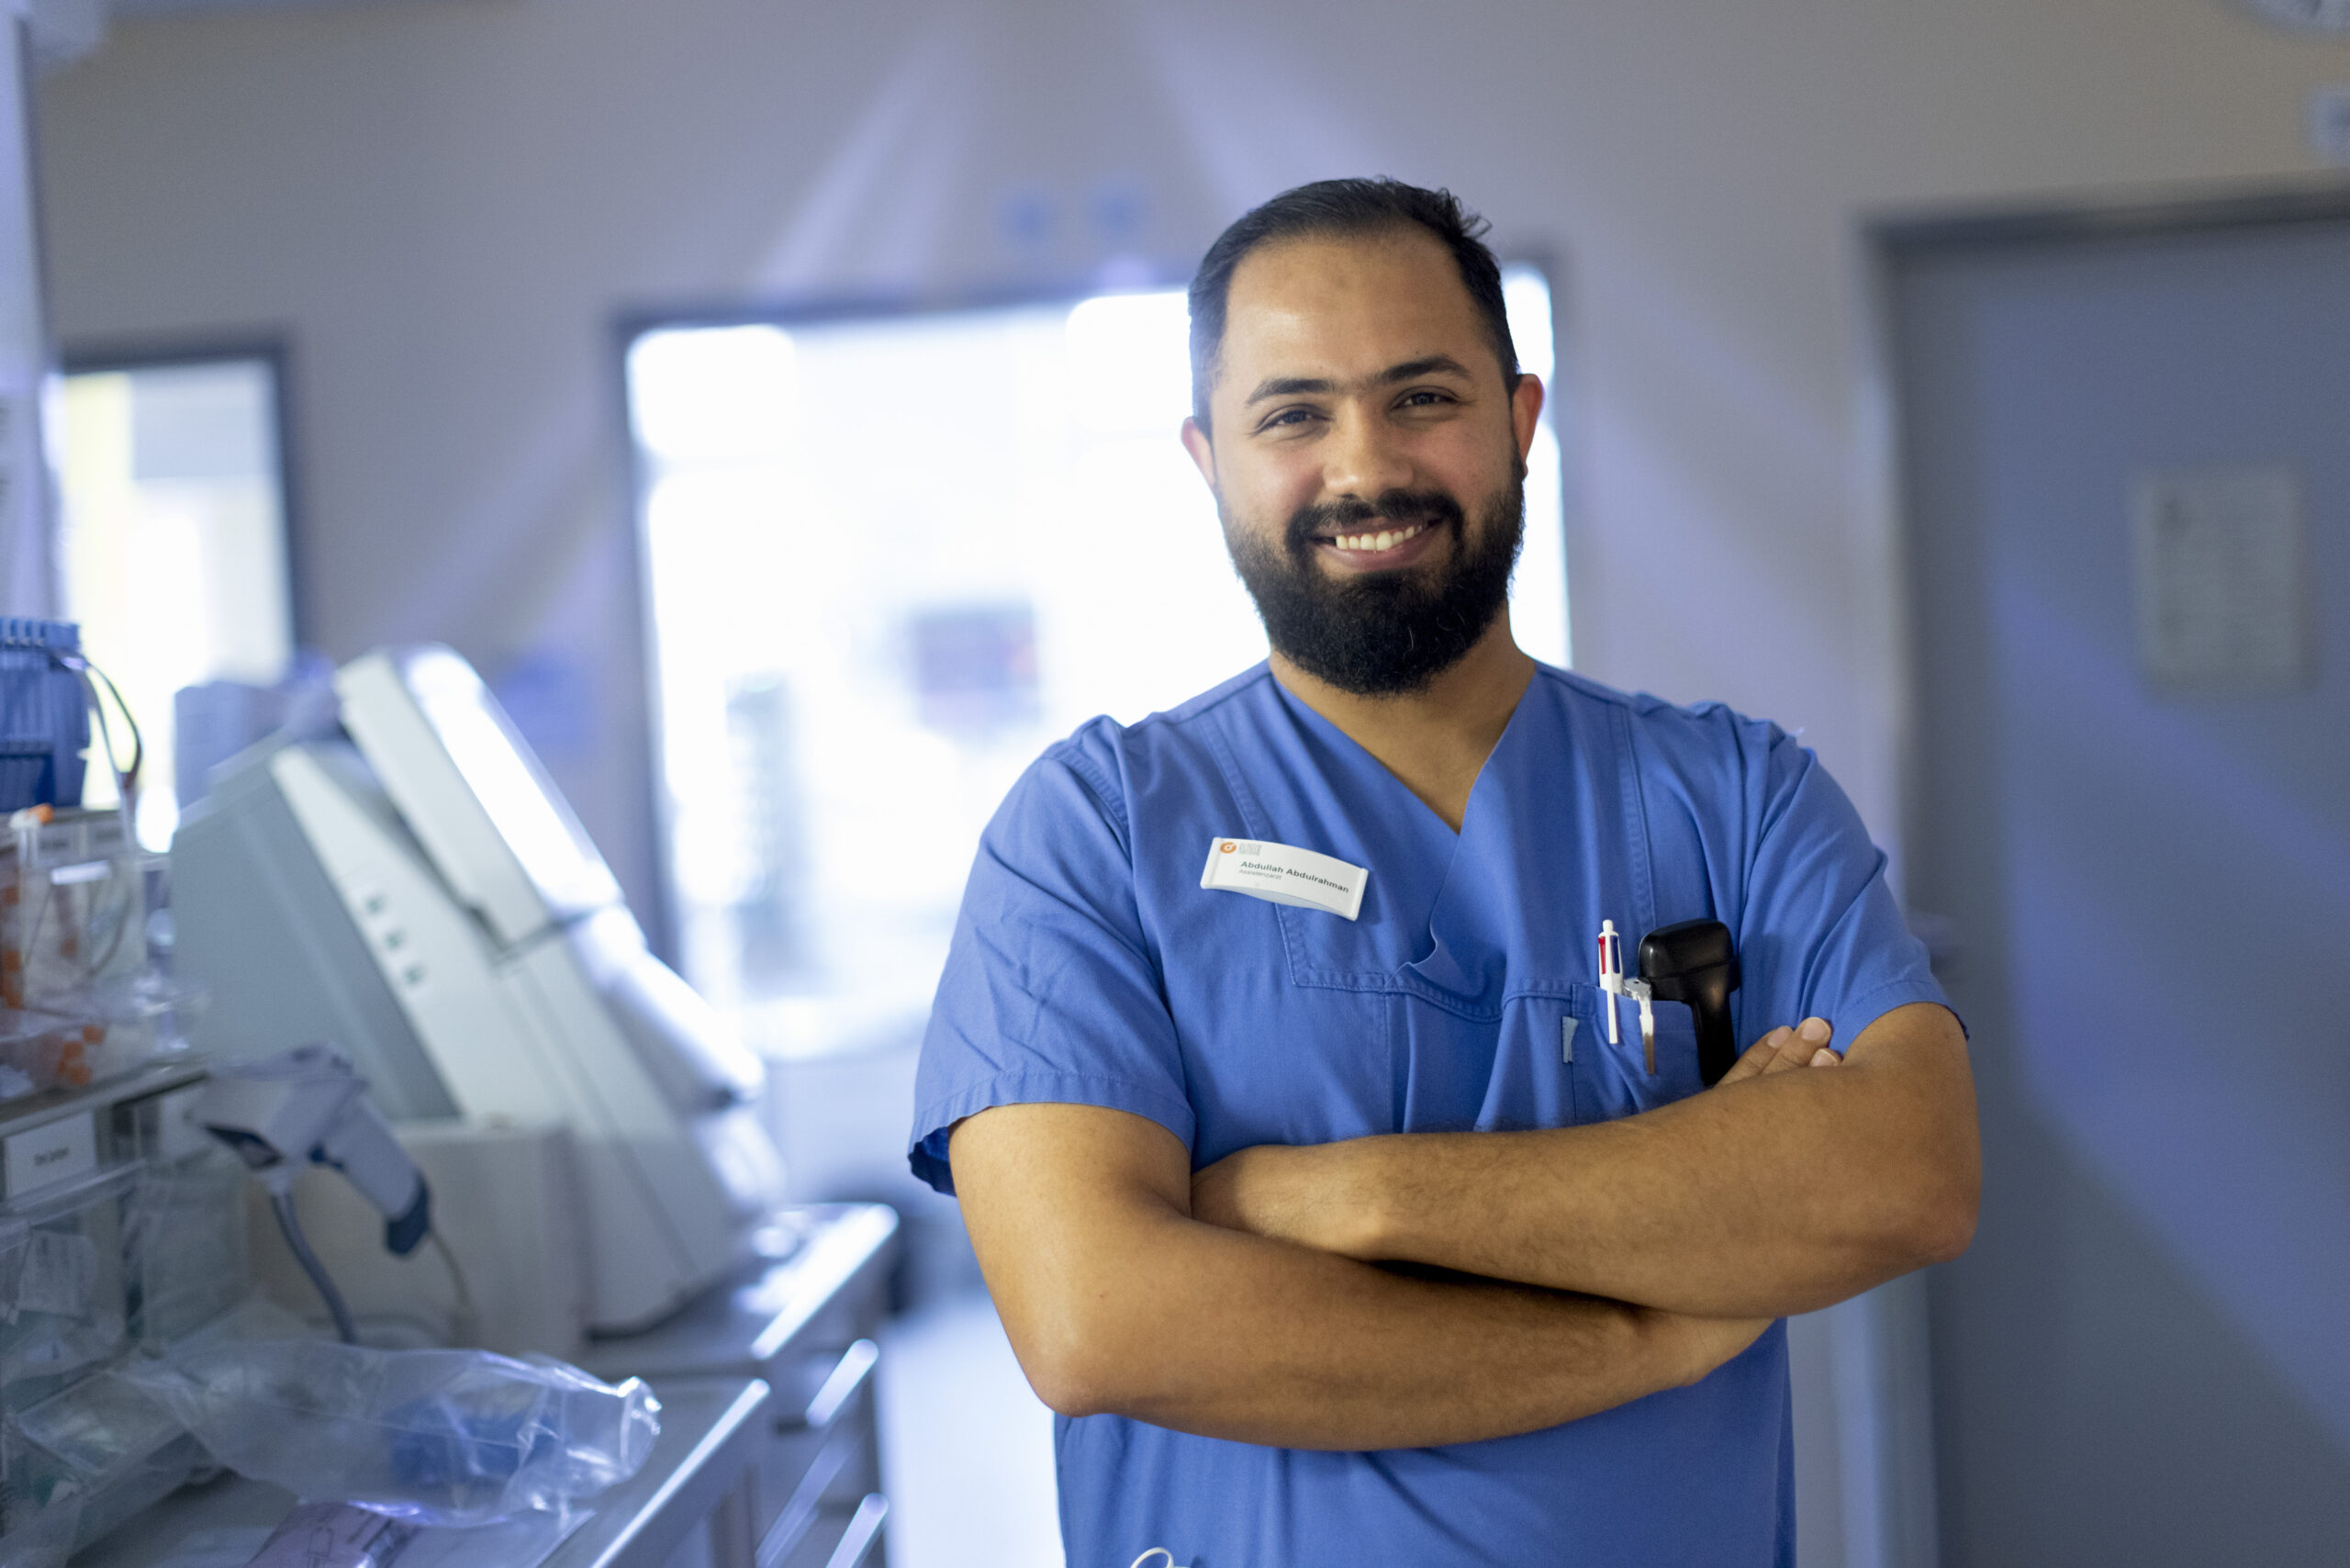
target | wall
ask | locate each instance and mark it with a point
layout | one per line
(445, 206)
(28, 578)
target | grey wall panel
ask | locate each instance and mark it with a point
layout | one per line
(2141, 1360)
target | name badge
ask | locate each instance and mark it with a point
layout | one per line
(1279, 874)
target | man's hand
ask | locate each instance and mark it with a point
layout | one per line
(1806, 1044)
(1326, 1195)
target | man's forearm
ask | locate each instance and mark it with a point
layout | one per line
(1769, 1196)
(1117, 1302)
(1235, 1337)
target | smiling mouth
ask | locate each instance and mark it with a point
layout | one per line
(1374, 543)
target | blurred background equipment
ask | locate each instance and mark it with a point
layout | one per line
(507, 1212)
(44, 714)
(410, 886)
(306, 1106)
(122, 1232)
(420, 895)
(84, 950)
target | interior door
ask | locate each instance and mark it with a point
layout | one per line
(2126, 460)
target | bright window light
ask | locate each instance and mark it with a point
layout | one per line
(890, 560)
(174, 544)
(1537, 599)
(713, 396)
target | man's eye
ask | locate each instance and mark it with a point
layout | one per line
(1286, 417)
(1424, 399)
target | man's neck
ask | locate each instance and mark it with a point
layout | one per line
(1434, 740)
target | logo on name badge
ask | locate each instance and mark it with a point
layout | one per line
(1282, 873)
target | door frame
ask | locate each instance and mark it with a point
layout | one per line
(1891, 1472)
(1892, 239)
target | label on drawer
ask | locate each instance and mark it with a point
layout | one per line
(54, 1151)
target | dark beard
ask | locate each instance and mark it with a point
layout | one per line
(1383, 634)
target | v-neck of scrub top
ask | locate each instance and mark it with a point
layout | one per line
(1466, 883)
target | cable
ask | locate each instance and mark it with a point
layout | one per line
(468, 1320)
(82, 670)
(282, 1204)
(125, 778)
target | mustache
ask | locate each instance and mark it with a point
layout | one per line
(1311, 522)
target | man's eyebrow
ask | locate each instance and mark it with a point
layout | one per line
(1288, 386)
(1411, 369)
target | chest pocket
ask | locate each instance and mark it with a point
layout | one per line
(1545, 1062)
(1612, 1080)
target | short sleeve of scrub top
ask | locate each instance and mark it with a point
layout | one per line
(1054, 996)
(1090, 966)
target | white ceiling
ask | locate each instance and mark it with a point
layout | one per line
(181, 7)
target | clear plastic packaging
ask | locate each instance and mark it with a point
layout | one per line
(92, 1455)
(78, 1452)
(61, 1296)
(438, 1437)
(147, 1252)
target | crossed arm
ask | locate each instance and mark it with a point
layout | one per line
(1594, 1265)
(1772, 1194)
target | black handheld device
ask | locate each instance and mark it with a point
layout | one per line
(1694, 962)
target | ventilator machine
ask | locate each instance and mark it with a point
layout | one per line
(413, 888)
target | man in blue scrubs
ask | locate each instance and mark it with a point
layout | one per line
(1333, 1225)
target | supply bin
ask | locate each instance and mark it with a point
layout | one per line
(44, 715)
(138, 1244)
(81, 999)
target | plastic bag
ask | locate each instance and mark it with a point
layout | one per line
(440, 1436)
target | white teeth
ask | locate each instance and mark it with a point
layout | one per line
(1386, 539)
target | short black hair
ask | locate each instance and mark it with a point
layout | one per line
(1345, 207)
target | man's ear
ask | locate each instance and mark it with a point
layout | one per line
(1202, 450)
(1526, 412)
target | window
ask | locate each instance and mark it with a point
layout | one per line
(889, 559)
(173, 557)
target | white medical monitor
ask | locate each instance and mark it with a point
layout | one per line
(422, 898)
(470, 788)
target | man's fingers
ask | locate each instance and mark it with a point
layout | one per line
(1757, 1057)
(1811, 1048)
(1803, 1046)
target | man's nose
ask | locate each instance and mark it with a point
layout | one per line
(1362, 458)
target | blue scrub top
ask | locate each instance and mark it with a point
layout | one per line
(1090, 966)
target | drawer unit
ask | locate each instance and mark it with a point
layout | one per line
(807, 1325)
